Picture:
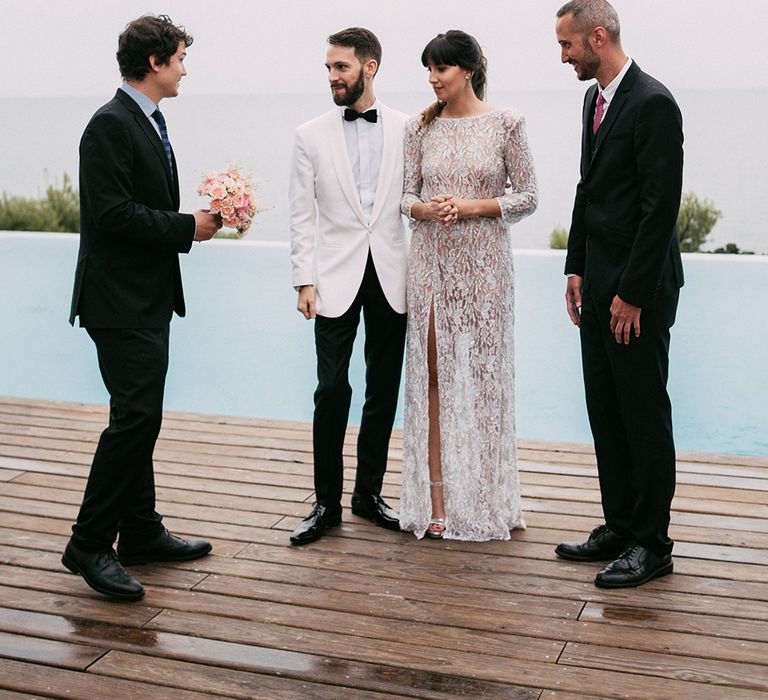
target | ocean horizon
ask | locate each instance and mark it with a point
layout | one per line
(722, 164)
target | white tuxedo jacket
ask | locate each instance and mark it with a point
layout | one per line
(330, 233)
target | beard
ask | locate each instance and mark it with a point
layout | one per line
(352, 93)
(588, 65)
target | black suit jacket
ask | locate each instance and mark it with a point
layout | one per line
(623, 238)
(131, 233)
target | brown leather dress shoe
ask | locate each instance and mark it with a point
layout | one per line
(164, 547)
(635, 566)
(602, 545)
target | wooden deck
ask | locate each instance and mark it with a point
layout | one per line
(367, 613)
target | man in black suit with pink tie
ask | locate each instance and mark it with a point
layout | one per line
(624, 276)
(127, 286)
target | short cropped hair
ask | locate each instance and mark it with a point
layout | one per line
(149, 35)
(588, 14)
(363, 41)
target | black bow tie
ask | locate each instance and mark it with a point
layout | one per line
(370, 116)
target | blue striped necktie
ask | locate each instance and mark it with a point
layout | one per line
(157, 115)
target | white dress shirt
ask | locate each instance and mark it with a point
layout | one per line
(364, 145)
(610, 90)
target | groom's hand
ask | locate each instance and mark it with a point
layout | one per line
(206, 224)
(306, 303)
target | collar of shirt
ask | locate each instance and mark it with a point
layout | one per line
(145, 104)
(610, 90)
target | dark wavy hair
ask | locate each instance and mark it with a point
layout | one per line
(149, 35)
(455, 48)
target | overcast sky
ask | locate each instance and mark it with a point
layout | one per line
(53, 47)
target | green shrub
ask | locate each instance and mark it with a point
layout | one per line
(695, 221)
(558, 239)
(58, 210)
(732, 249)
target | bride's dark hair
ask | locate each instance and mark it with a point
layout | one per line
(455, 48)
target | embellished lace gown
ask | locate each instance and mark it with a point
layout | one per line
(466, 270)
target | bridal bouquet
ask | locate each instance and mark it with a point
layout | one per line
(231, 193)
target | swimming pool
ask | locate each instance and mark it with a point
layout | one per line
(244, 350)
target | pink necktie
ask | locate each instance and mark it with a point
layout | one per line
(598, 113)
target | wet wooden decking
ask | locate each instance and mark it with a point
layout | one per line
(367, 613)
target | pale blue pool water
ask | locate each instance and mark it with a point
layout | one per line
(244, 350)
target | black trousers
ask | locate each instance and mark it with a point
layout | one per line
(631, 419)
(384, 347)
(120, 493)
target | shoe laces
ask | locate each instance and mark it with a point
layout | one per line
(629, 551)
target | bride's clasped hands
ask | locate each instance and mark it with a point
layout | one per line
(442, 208)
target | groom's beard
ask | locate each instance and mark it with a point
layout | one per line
(351, 93)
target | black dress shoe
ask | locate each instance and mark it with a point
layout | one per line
(602, 544)
(164, 547)
(373, 508)
(103, 572)
(635, 566)
(313, 527)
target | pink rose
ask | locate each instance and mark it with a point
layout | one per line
(217, 191)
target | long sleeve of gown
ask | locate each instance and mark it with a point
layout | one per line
(412, 178)
(521, 199)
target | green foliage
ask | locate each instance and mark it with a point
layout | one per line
(558, 239)
(59, 210)
(733, 249)
(695, 221)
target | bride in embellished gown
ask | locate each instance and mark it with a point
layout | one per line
(460, 477)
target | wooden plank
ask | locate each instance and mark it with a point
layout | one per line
(688, 484)
(687, 499)
(169, 575)
(298, 662)
(264, 595)
(30, 487)
(53, 682)
(274, 620)
(712, 625)
(55, 543)
(694, 638)
(192, 488)
(719, 673)
(51, 653)
(533, 674)
(70, 606)
(68, 511)
(517, 571)
(347, 682)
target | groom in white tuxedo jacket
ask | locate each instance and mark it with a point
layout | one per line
(349, 254)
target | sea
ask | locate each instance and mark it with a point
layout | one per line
(726, 150)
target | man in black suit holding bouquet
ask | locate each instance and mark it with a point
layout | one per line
(127, 286)
(624, 271)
